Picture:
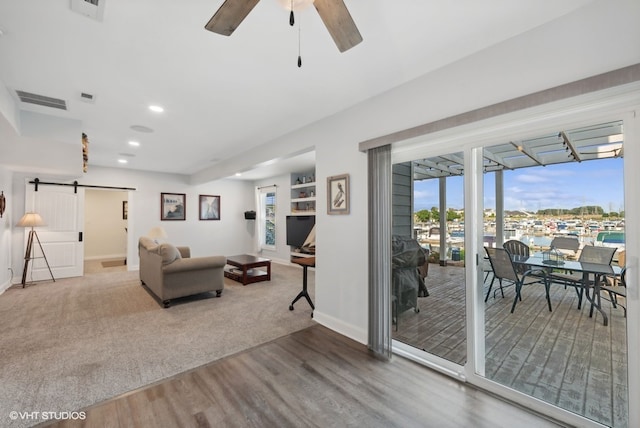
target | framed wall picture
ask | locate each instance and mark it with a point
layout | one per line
(125, 210)
(172, 206)
(3, 203)
(338, 194)
(209, 207)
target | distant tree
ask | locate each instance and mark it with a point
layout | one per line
(452, 215)
(422, 216)
(435, 213)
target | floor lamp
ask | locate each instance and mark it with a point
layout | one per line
(32, 220)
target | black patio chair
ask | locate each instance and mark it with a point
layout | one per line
(619, 289)
(504, 269)
(589, 254)
(514, 247)
(567, 245)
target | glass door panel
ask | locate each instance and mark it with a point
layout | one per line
(428, 284)
(534, 191)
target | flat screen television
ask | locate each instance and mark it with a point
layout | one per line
(298, 228)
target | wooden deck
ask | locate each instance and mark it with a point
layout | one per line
(562, 357)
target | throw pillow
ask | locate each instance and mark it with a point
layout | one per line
(169, 253)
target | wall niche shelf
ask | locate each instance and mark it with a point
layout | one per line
(303, 193)
(303, 203)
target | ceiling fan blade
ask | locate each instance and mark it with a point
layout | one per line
(230, 15)
(338, 21)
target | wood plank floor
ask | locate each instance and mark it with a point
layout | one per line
(564, 357)
(312, 378)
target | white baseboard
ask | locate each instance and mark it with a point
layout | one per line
(107, 256)
(352, 332)
(5, 286)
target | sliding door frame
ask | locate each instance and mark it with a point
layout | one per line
(620, 102)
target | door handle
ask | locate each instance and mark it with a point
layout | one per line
(79, 236)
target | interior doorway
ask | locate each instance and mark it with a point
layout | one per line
(105, 230)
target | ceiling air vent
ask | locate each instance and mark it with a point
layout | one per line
(87, 98)
(41, 100)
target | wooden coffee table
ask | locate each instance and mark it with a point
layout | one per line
(244, 269)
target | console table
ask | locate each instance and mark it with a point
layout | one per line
(245, 270)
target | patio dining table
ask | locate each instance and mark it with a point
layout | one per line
(598, 270)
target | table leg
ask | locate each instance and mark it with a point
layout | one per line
(596, 296)
(304, 292)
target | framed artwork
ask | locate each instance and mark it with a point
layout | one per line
(209, 207)
(172, 206)
(338, 194)
(125, 210)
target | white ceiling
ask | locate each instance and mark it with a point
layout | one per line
(227, 95)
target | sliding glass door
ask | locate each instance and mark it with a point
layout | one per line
(456, 315)
(544, 194)
(429, 288)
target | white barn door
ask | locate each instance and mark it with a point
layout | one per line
(63, 213)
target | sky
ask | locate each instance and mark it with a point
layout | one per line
(562, 186)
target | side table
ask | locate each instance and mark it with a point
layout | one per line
(305, 262)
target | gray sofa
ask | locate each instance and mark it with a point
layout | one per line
(169, 272)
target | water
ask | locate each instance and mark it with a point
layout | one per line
(545, 241)
(538, 241)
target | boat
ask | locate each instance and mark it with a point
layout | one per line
(433, 238)
(512, 233)
(610, 238)
(538, 226)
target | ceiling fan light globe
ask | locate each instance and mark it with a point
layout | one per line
(297, 4)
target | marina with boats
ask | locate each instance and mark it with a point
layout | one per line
(536, 233)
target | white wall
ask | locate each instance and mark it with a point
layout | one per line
(228, 236)
(5, 230)
(105, 234)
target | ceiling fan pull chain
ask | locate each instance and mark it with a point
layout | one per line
(291, 19)
(299, 51)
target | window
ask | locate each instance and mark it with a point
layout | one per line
(267, 217)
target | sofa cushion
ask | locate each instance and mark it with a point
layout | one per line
(169, 253)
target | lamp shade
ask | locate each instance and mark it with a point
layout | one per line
(157, 233)
(31, 220)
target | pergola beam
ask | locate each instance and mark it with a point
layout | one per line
(567, 142)
(523, 149)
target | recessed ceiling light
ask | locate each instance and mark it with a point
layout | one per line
(134, 143)
(238, 174)
(122, 161)
(156, 109)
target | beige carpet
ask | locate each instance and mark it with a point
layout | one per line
(78, 341)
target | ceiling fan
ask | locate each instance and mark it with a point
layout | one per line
(333, 13)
